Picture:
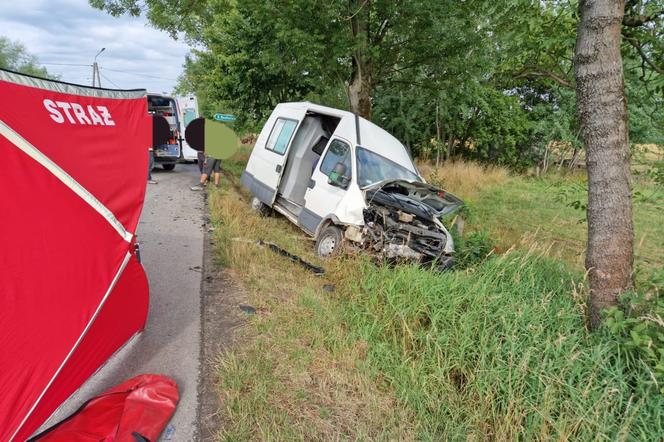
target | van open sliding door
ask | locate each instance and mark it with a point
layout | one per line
(268, 159)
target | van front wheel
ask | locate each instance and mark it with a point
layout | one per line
(329, 242)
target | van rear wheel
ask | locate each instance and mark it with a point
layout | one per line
(329, 241)
(260, 207)
(168, 166)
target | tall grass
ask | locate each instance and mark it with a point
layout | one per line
(498, 352)
(463, 178)
(295, 374)
(515, 209)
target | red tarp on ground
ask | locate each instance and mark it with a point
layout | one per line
(72, 184)
(139, 406)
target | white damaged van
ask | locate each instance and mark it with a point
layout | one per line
(341, 178)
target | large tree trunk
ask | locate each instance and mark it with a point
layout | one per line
(360, 87)
(602, 113)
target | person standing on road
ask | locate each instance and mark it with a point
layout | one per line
(202, 165)
(151, 166)
(212, 166)
(201, 161)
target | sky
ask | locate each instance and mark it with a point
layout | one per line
(71, 32)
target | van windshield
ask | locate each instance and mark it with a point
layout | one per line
(373, 168)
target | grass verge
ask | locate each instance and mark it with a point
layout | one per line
(496, 351)
(300, 375)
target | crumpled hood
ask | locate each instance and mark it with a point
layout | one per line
(418, 198)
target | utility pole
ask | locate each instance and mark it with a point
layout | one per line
(96, 79)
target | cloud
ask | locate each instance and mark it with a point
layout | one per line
(71, 32)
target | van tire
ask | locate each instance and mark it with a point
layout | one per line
(168, 166)
(260, 207)
(329, 241)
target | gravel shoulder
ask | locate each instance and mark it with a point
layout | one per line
(220, 319)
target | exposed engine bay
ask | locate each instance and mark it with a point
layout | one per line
(402, 223)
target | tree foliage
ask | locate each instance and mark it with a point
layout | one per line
(487, 80)
(15, 57)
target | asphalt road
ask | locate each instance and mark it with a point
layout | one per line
(171, 236)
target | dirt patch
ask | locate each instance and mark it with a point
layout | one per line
(221, 317)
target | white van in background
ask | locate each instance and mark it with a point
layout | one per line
(179, 112)
(188, 111)
(169, 153)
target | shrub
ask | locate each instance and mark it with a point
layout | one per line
(471, 249)
(638, 327)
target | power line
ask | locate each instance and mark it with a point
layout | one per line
(110, 81)
(138, 74)
(66, 64)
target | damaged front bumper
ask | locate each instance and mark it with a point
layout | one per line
(402, 223)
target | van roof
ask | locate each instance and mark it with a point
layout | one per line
(318, 108)
(372, 136)
(157, 94)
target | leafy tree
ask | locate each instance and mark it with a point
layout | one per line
(15, 57)
(537, 45)
(611, 38)
(440, 75)
(643, 30)
(250, 63)
(306, 47)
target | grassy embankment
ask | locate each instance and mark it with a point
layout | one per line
(495, 351)
(520, 210)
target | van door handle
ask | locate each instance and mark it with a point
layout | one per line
(312, 184)
(278, 169)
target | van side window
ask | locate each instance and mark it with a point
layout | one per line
(189, 116)
(280, 136)
(338, 152)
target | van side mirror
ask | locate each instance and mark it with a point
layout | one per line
(337, 176)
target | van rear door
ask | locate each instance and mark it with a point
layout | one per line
(270, 154)
(188, 111)
(167, 108)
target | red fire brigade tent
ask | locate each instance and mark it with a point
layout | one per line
(72, 183)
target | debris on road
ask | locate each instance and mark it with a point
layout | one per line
(248, 309)
(170, 431)
(316, 270)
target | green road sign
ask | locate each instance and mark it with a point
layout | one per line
(224, 117)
